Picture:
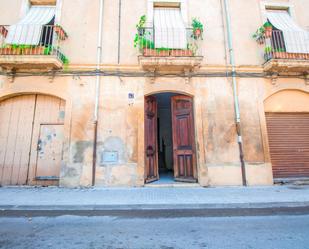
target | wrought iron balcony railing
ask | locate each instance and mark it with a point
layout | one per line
(275, 46)
(169, 42)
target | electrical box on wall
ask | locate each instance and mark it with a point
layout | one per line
(108, 157)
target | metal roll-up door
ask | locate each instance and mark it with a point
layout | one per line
(288, 135)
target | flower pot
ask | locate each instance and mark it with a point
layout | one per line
(302, 56)
(155, 52)
(181, 52)
(260, 40)
(197, 33)
(15, 51)
(38, 50)
(149, 52)
(280, 55)
(5, 51)
(60, 32)
(292, 56)
(3, 31)
(26, 51)
(268, 32)
(162, 53)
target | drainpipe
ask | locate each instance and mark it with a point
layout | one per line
(119, 29)
(97, 91)
(236, 100)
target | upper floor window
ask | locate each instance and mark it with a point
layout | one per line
(33, 28)
(287, 36)
(169, 27)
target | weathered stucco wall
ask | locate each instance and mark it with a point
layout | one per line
(121, 120)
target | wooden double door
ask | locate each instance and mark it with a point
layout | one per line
(31, 140)
(184, 158)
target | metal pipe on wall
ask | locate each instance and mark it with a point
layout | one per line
(97, 90)
(119, 29)
(235, 93)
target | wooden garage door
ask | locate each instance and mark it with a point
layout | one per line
(21, 119)
(288, 135)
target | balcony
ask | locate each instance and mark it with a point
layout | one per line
(277, 58)
(169, 49)
(32, 47)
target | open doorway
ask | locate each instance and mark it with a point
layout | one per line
(165, 137)
(169, 138)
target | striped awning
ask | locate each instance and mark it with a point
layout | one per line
(296, 39)
(169, 28)
(28, 30)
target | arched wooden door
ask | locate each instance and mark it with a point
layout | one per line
(151, 146)
(31, 139)
(183, 139)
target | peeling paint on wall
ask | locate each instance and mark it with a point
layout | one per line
(79, 150)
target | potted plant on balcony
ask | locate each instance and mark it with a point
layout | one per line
(259, 35)
(162, 52)
(3, 31)
(60, 32)
(190, 51)
(4, 50)
(198, 29)
(31, 50)
(14, 49)
(48, 50)
(279, 53)
(143, 40)
(268, 53)
(268, 29)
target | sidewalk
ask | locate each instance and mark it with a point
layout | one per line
(52, 198)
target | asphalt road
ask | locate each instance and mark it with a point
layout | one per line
(65, 232)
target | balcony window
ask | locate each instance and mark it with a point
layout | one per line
(289, 36)
(169, 29)
(29, 30)
(34, 35)
(286, 44)
(166, 41)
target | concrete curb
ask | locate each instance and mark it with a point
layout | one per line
(153, 206)
(159, 211)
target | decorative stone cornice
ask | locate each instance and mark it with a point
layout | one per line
(170, 63)
(287, 66)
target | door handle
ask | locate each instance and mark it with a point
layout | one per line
(150, 151)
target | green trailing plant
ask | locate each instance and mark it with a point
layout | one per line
(48, 50)
(279, 50)
(162, 49)
(198, 29)
(267, 25)
(268, 49)
(141, 24)
(259, 33)
(140, 40)
(193, 47)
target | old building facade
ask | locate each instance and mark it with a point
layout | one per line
(81, 106)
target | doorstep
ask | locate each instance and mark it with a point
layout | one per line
(172, 185)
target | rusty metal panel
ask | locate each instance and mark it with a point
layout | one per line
(288, 135)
